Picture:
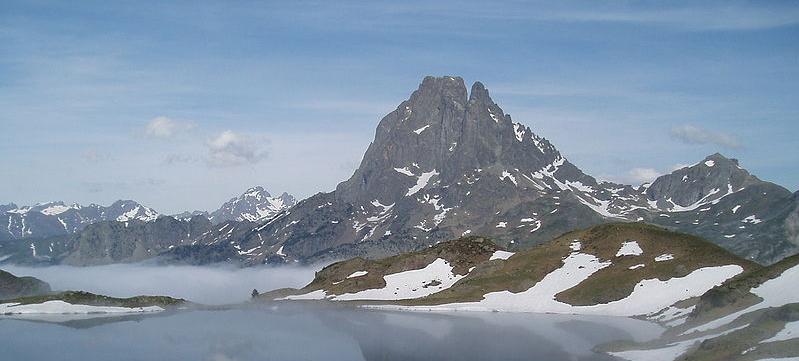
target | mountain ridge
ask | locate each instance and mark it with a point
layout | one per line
(448, 163)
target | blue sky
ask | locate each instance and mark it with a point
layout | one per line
(181, 105)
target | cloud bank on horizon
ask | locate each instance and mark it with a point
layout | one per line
(181, 105)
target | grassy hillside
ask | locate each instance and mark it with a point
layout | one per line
(611, 283)
(12, 286)
(86, 298)
(462, 254)
(470, 257)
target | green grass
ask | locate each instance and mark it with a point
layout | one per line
(86, 298)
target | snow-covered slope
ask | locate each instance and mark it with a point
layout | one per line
(751, 317)
(615, 269)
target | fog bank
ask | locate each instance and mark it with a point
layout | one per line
(208, 285)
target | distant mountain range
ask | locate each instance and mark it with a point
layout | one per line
(56, 218)
(448, 163)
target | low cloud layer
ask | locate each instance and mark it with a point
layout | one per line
(690, 134)
(232, 149)
(207, 285)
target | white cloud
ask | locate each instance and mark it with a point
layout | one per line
(233, 149)
(690, 134)
(164, 127)
(642, 175)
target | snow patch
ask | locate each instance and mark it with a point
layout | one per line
(421, 182)
(358, 274)
(506, 174)
(501, 255)
(629, 248)
(664, 257)
(404, 171)
(422, 129)
(61, 307)
(410, 284)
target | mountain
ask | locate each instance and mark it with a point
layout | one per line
(108, 242)
(12, 286)
(719, 200)
(139, 233)
(448, 163)
(56, 218)
(622, 269)
(256, 204)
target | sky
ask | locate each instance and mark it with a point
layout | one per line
(182, 105)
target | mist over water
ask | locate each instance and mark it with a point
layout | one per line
(211, 285)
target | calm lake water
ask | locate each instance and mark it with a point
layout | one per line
(297, 332)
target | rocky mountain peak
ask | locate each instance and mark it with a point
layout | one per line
(288, 198)
(711, 179)
(127, 210)
(256, 192)
(439, 135)
(254, 205)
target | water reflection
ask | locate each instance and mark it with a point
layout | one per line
(296, 332)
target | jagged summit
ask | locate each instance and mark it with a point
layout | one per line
(441, 135)
(254, 205)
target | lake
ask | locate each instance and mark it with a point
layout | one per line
(307, 332)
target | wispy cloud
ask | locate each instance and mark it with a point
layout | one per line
(690, 134)
(164, 127)
(229, 149)
(720, 16)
